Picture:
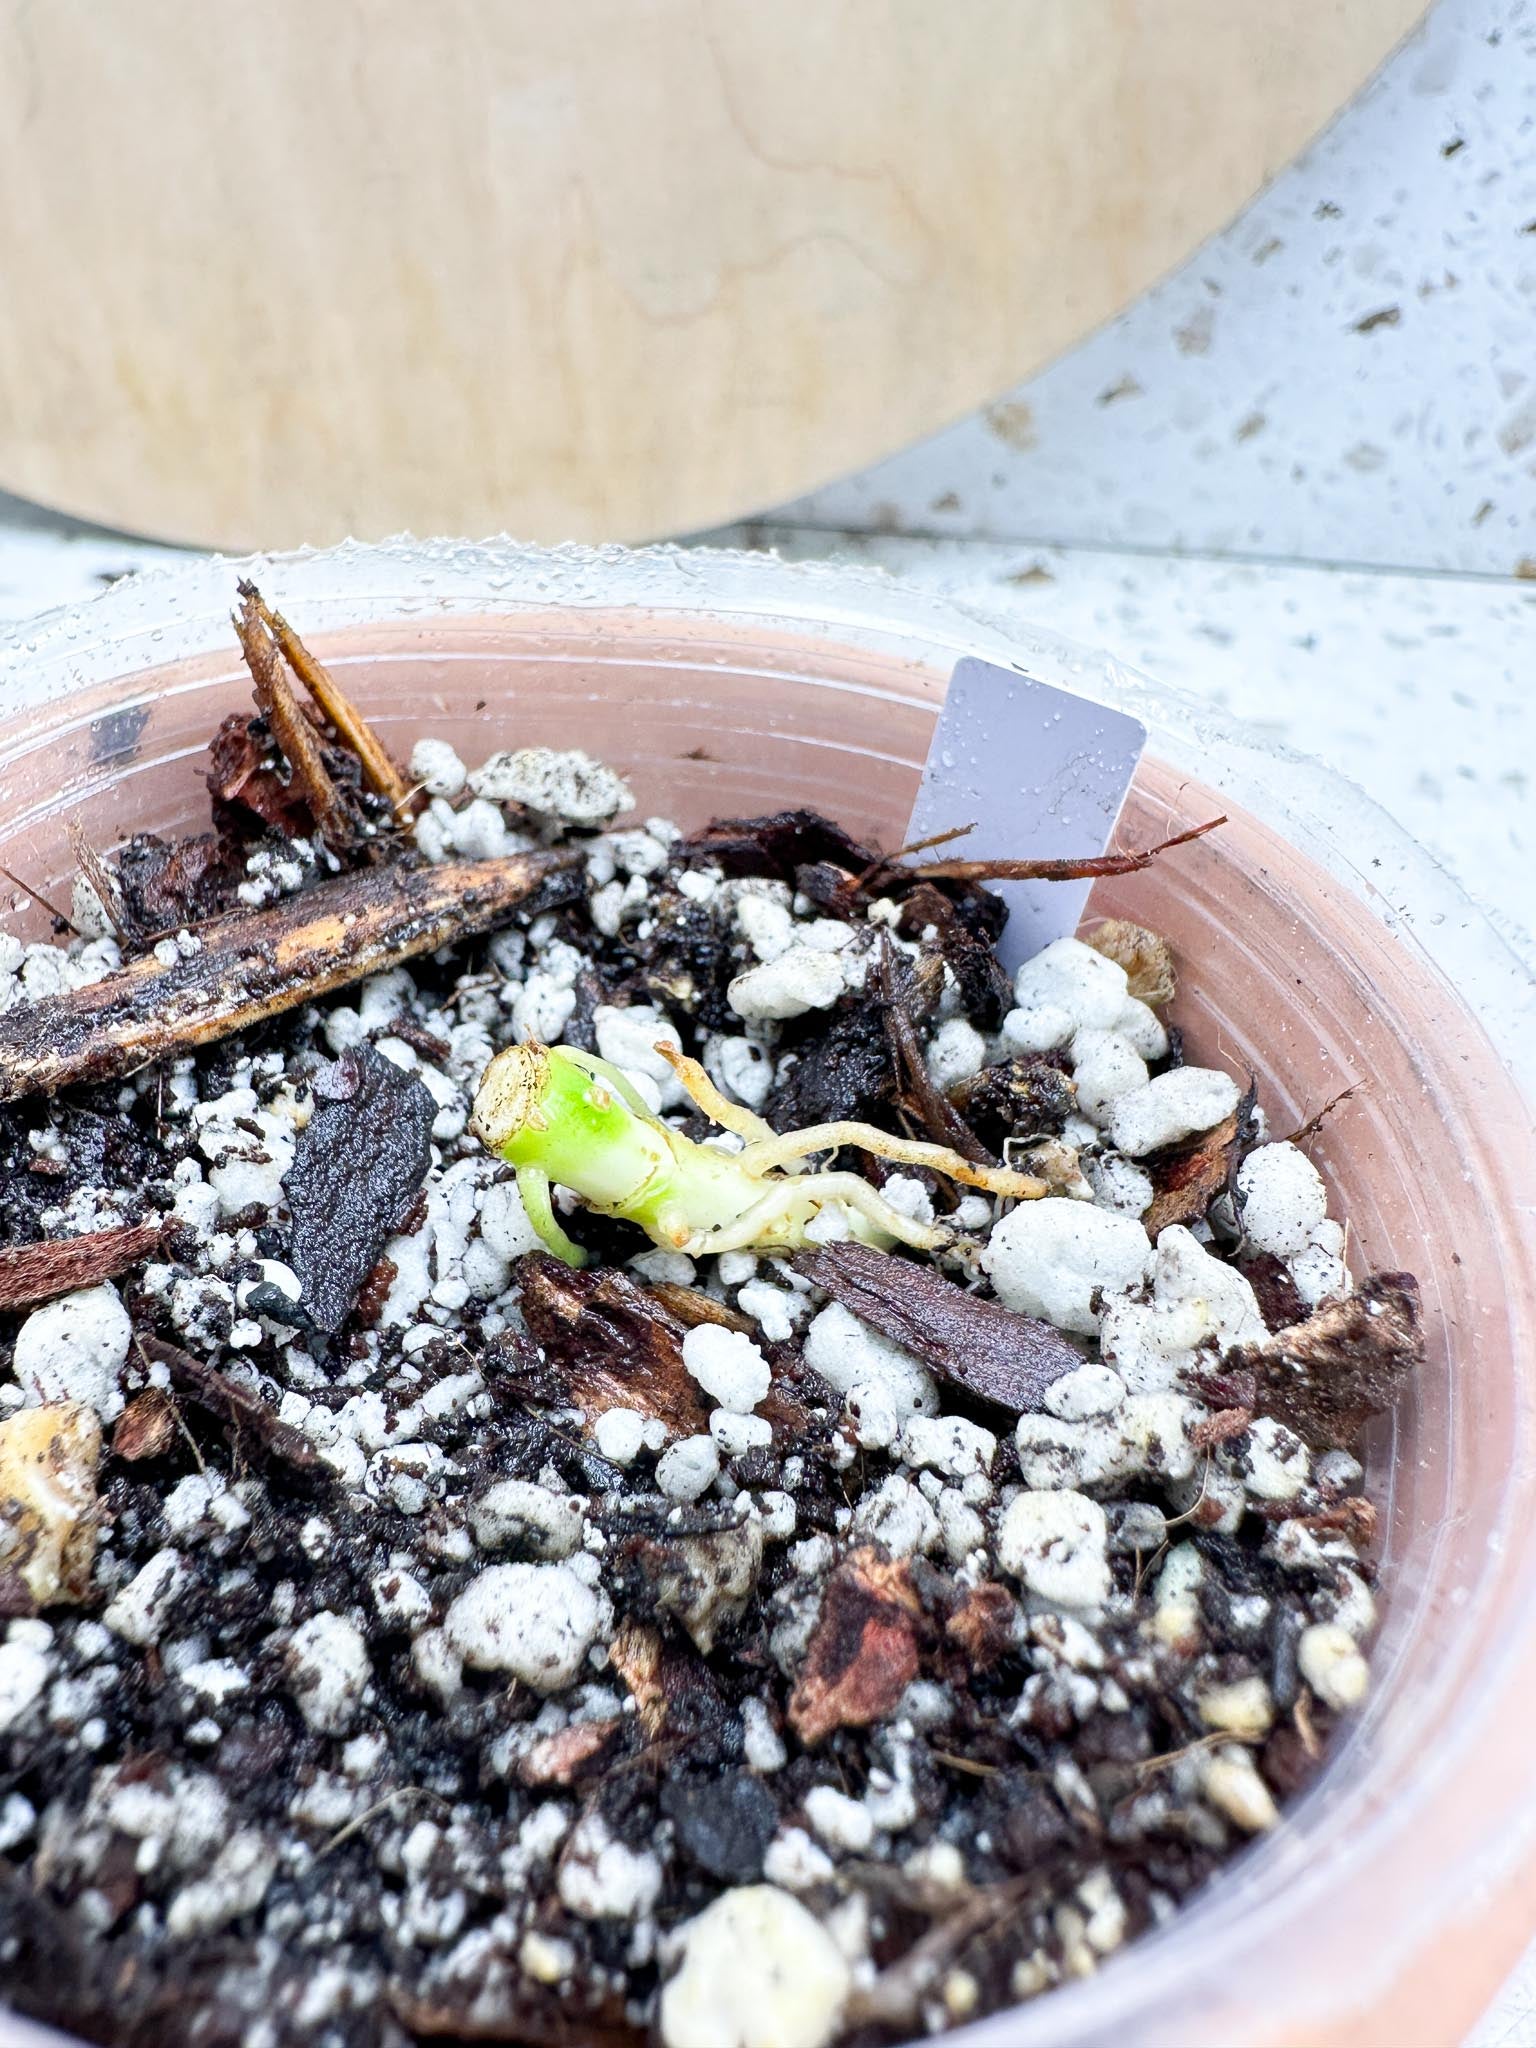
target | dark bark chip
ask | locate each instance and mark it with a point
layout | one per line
(359, 1163)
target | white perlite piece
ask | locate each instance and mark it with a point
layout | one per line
(1105, 1066)
(871, 1410)
(1246, 1707)
(840, 1822)
(848, 1355)
(737, 1434)
(1052, 1257)
(140, 1611)
(690, 1468)
(1279, 1463)
(437, 768)
(728, 1366)
(1090, 989)
(775, 1310)
(1319, 1273)
(762, 1746)
(1056, 1544)
(1170, 1107)
(628, 1038)
(619, 1434)
(1215, 1303)
(740, 1067)
(601, 1879)
(1119, 1183)
(899, 1516)
(328, 1672)
(802, 979)
(758, 1971)
(534, 1621)
(956, 1052)
(569, 786)
(519, 1511)
(237, 1883)
(504, 1224)
(1281, 1199)
(948, 1444)
(75, 1350)
(24, 1670)
(1332, 1665)
(1081, 1396)
(1234, 1787)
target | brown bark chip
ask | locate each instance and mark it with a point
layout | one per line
(993, 1352)
(614, 1344)
(30, 1273)
(251, 965)
(1349, 1360)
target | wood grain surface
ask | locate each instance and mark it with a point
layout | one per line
(591, 268)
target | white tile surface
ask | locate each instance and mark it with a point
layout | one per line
(1419, 688)
(1347, 374)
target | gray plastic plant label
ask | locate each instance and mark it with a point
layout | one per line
(1037, 773)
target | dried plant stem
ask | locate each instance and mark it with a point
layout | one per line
(1057, 870)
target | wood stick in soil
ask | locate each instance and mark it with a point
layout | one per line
(291, 727)
(379, 771)
(254, 964)
(260, 1432)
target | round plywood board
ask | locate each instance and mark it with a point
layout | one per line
(589, 268)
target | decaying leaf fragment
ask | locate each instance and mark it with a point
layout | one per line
(864, 1652)
(705, 1581)
(48, 1462)
(146, 1428)
(1189, 1179)
(614, 1345)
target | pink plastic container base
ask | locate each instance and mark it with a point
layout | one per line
(1321, 949)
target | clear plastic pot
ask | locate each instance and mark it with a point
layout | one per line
(1323, 949)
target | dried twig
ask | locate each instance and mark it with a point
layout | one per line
(387, 1804)
(912, 846)
(972, 1766)
(255, 964)
(257, 1426)
(379, 771)
(290, 727)
(1057, 870)
(918, 1093)
(1218, 1738)
(1315, 1122)
(41, 901)
(895, 1999)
